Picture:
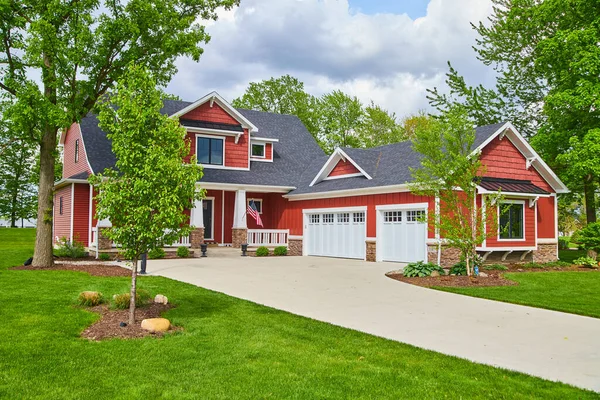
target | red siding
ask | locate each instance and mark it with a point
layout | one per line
(81, 213)
(545, 218)
(70, 167)
(269, 151)
(343, 168)
(62, 223)
(207, 113)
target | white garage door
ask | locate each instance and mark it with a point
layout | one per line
(403, 235)
(336, 234)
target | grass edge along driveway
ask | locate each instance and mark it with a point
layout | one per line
(230, 348)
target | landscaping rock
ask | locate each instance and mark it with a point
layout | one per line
(156, 325)
(483, 275)
(161, 299)
(435, 274)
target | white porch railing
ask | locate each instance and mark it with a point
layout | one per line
(268, 237)
(183, 240)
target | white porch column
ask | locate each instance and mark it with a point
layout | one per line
(197, 219)
(239, 210)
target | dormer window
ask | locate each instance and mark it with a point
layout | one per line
(258, 150)
(210, 150)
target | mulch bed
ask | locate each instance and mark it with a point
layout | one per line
(571, 268)
(108, 326)
(493, 279)
(93, 269)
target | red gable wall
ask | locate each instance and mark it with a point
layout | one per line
(343, 168)
(70, 167)
(207, 113)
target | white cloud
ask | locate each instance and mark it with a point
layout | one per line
(388, 58)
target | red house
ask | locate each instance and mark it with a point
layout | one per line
(354, 203)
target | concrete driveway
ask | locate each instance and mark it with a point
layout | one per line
(357, 295)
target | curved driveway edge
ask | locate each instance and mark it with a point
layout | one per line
(357, 295)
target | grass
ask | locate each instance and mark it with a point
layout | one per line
(230, 349)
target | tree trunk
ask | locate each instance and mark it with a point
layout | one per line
(589, 188)
(132, 293)
(42, 256)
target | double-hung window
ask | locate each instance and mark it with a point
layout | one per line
(209, 151)
(511, 221)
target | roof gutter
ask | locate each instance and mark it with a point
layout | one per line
(349, 192)
(68, 181)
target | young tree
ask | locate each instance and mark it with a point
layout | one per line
(79, 49)
(283, 95)
(379, 127)
(450, 172)
(146, 195)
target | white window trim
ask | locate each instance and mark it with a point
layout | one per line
(256, 201)
(210, 137)
(264, 147)
(522, 202)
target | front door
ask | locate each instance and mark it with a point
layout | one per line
(207, 215)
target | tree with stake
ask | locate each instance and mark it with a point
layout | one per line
(450, 172)
(146, 195)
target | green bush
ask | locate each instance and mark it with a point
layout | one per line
(156, 253)
(280, 251)
(563, 243)
(421, 269)
(70, 249)
(495, 267)
(262, 251)
(121, 301)
(183, 252)
(587, 262)
(588, 238)
(90, 299)
(557, 264)
(104, 256)
(460, 268)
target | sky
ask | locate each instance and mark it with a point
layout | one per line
(387, 51)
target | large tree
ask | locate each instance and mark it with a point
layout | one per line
(146, 195)
(547, 60)
(343, 116)
(17, 188)
(78, 49)
(379, 127)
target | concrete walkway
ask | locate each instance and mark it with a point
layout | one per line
(355, 294)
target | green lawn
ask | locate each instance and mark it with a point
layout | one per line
(230, 349)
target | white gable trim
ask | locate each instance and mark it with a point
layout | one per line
(333, 160)
(214, 97)
(509, 131)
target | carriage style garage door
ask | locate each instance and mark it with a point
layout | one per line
(401, 234)
(336, 234)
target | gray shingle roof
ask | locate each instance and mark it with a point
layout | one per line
(297, 158)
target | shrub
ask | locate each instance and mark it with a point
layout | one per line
(183, 252)
(496, 267)
(104, 256)
(557, 264)
(262, 251)
(280, 251)
(588, 238)
(121, 301)
(563, 243)
(90, 299)
(587, 262)
(156, 253)
(421, 269)
(460, 268)
(532, 265)
(70, 249)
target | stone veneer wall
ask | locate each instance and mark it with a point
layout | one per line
(545, 253)
(239, 236)
(196, 239)
(371, 250)
(449, 256)
(104, 243)
(294, 247)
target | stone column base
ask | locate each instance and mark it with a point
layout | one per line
(239, 236)
(449, 255)
(104, 243)
(196, 239)
(371, 251)
(294, 247)
(545, 253)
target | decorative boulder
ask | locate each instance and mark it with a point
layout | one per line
(435, 274)
(156, 325)
(161, 299)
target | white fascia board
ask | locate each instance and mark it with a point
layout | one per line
(529, 153)
(264, 139)
(333, 210)
(248, 188)
(216, 97)
(404, 206)
(331, 178)
(66, 182)
(330, 164)
(349, 192)
(217, 132)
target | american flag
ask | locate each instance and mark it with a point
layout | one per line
(254, 213)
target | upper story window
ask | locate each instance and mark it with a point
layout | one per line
(258, 150)
(210, 151)
(77, 150)
(60, 205)
(512, 221)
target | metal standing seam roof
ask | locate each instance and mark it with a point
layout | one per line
(511, 186)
